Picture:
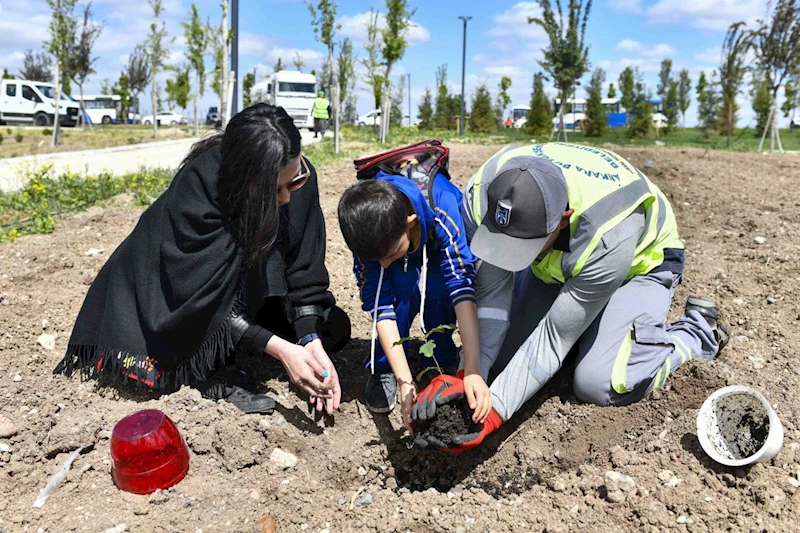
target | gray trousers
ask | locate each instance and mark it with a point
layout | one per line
(626, 352)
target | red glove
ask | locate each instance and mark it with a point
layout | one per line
(441, 390)
(470, 440)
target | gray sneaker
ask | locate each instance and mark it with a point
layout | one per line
(380, 392)
(709, 311)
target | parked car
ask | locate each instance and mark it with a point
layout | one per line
(373, 118)
(213, 116)
(794, 123)
(165, 118)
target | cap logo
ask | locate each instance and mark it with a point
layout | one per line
(502, 215)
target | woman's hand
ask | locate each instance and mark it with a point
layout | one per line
(332, 378)
(478, 397)
(303, 369)
(408, 395)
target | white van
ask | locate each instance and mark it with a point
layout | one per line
(31, 102)
(292, 90)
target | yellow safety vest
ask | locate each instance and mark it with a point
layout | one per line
(320, 108)
(603, 189)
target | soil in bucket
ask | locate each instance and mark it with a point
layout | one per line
(743, 423)
(454, 418)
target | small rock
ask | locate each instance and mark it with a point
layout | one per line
(682, 519)
(738, 301)
(122, 528)
(616, 481)
(615, 496)
(364, 500)
(342, 501)
(5, 447)
(660, 143)
(771, 300)
(47, 341)
(672, 483)
(254, 494)
(575, 509)
(649, 164)
(558, 485)
(44, 323)
(7, 428)
(435, 512)
(283, 459)
(760, 240)
(362, 471)
(666, 475)
(17, 378)
(326, 530)
(709, 499)
(793, 482)
(93, 251)
(304, 527)
(158, 497)
(756, 362)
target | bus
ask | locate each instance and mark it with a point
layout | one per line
(101, 109)
(292, 90)
(616, 115)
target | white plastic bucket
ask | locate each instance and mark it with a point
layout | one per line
(719, 427)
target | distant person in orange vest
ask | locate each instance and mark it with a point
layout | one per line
(509, 123)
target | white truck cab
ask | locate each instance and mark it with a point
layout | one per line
(292, 90)
(32, 102)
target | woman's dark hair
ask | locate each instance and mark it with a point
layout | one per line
(256, 145)
(372, 217)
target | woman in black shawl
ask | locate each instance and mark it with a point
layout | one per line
(222, 260)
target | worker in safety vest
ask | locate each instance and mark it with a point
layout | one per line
(321, 113)
(577, 248)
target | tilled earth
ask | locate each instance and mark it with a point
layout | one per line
(546, 470)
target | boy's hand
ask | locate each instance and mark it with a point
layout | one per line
(442, 389)
(408, 395)
(478, 397)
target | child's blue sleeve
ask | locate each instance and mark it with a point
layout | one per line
(457, 261)
(367, 275)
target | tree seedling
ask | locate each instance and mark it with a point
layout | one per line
(428, 347)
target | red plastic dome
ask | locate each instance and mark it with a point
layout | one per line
(147, 452)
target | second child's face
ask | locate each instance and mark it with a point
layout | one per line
(403, 244)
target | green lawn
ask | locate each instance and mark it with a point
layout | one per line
(742, 141)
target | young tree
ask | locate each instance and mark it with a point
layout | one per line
(138, 74)
(627, 86)
(443, 116)
(106, 88)
(36, 67)
(670, 105)
(372, 63)
(612, 91)
(398, 19)
(323, 19)
(595, 123)
(481, 117)
(247, 88)
(777, 47)
(224, 36)
(425, 111)
(539, 120)
(81, 61)
(641, 122)
(398, 98)
(761, 99)
(731, 72)
(122, 89)
(298, 62)
(278, 66)
(197, 42)
(664, 78)
(178, 89)
(62, 39)
(502, 98)
(790, 98)
(708, 105)
(157, 55)
(566, 58)
(684, 94)
(347, 81)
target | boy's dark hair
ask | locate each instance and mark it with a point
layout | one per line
(372, 217)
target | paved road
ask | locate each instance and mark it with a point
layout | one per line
(118, 161)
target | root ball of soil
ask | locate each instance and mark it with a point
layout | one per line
(743, 423)
(451, 419)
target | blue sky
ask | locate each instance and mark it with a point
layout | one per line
(499, 41)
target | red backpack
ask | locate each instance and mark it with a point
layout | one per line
(420, 162)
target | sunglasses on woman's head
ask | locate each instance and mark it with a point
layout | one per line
(302, 176)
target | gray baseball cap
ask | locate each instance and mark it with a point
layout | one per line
(526, 202)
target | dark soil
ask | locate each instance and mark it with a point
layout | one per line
(744, 425)
(451, 420)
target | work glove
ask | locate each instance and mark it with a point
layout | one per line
(441, 390)
(470, 440)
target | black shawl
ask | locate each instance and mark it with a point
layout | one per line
(163, 298)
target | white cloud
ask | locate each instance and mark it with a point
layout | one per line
(655, 51)
(499, 71)
(311, 58)
(513, 23)
(355, 27)
(710, 55)
(705, 14)
(12, 61)
(251, 44)
(627, 6)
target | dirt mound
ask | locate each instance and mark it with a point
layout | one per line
(550, 468)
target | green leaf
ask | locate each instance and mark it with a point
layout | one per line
(427, 349)
(439, 329)
(404, 339)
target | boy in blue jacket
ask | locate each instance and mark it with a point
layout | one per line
(410, 253)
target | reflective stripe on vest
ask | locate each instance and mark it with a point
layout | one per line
(320, 109)
(603, 189)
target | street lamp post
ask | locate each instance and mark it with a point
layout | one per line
(463, 74)
(235, 55)
(409, 99)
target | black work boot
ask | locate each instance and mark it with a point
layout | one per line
(709, 311)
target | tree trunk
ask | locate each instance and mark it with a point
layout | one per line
(562, 127)
(83, 109)
(334, 100)
(154, 104)
(730, 122)
(223, 110)
(385, 105)
(196, 94)
(56, 124)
